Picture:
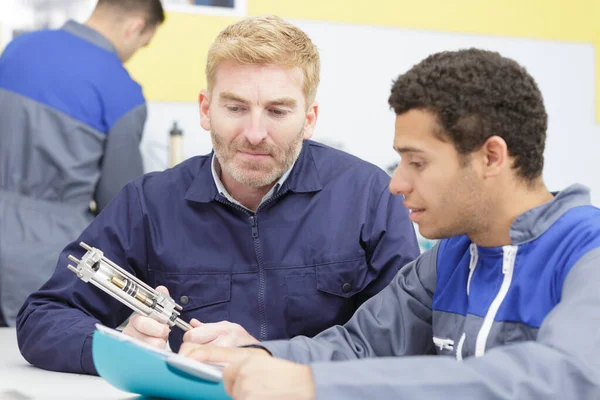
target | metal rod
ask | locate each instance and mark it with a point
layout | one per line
(75, 260)
(182, 324)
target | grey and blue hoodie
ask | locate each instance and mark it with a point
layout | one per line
(71, 120)
(520, 321)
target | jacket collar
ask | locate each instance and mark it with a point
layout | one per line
(91, 35)
(534, 222)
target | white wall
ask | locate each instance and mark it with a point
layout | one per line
(37, 14)
(358, 66)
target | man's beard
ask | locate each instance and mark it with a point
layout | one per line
(254, 173)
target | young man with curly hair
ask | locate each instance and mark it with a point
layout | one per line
(509, 297)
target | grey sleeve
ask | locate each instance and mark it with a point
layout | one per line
(395, 322)
(563, 363)
(122, 160)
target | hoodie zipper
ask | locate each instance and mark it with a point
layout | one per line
(472, 266)
(508, 265)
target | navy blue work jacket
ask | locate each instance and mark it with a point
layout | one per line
(332, 237)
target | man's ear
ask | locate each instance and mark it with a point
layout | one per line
(311, 120)
(203, 104)
(494, 156)
(134, 27)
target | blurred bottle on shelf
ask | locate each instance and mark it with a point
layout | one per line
(175, 145)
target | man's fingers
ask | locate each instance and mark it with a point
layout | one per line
(155, 342)
(149, 327)
(230, 375)
(195, 323)
(163, 290)
(209, 354)
(203, 334)
(152, 341)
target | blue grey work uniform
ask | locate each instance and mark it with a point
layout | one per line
(71, 120)
(520, 321)
(331, 237)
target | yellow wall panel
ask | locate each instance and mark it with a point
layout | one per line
(573, 20)
(172, 67)
(566, 20)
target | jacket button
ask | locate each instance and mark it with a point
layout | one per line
(184, 300)
(346, 288)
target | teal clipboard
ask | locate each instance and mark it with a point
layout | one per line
(134, 367)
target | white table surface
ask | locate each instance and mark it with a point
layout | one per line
(21, 381)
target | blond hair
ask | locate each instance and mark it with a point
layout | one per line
(266, 40)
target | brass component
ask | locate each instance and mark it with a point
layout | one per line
(120, 283)
(141, 297)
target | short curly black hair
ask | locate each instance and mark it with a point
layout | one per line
(476, 94)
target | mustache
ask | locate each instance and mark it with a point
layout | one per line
(262, 147)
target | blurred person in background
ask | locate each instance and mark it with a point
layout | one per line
(71, 121)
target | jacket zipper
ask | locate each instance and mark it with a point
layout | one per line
(261, 273)
(508, 265)
(461, 342)
(262, 311)
(472, 266)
